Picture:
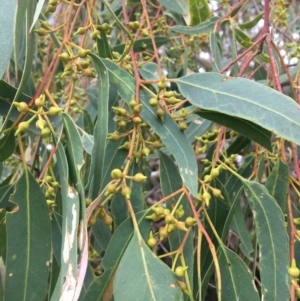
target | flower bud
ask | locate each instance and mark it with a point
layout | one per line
(139, 178)
(116, 174)
(64, 57)
(126, 192)
(21, 106)
(53, 111)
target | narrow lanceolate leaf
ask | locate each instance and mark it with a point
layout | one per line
(28, 243)
(205, 27)
(142, 276)
(175, 141)
(178, 6)
(19, 29)
(29, 50)
(73, 147)
(215, 50)
(168, 131)
(252, 23)
(245, 99)
(199, 11)
(7, 17)
(74, 153)
(37, 12)
(149, 71)
(102, 287)
(273, 242)
(101, 128)
(244, 127)
(66, 284)
(7, 146)
(237, 283)
(278, 182)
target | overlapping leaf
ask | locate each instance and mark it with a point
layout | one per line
(168, 131)
(142, 276)
(7, 16)
(273, 242)
(28, 243)
(244, 99)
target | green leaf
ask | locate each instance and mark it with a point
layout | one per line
(101, 287)
(199, 11)
(106, 154)
(37, 13)
(197, 128)
(215, 50)
(73, 148)
(278, 182)
(101, 233)
(149, 71)
(87, 142)
(239, 144)
(29, 49)
(178, 6)
(244, 99)
(65, 285)
(237, 283)
(205, 27)
(5, 192)
(19, 31)
(7, 146)
(7, 17)
(168, 131)
(103, 46)
(273, 242)
(175, 141)
(142, 276)
(250, 24)
(28, 243)
(238, 224)
(2, 237)
(243, 39)
(142, 44)
(244, 127)
(101, 128)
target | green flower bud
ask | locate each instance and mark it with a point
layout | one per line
(64, 57)
(22, 127)
(107, 220)
(180, 271)
(190, 221)
(137, 109)
(45, 132)
(170, 219)
(139, 178)
(83, 53)
(153, 102)
(163, 233)
(116, 174)
(40, 101)
(126, 192)
(53, 111)
(81, 31)
(21, 106)
(179, 212)
(160, 113)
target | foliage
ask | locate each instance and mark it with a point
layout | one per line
(149, 150)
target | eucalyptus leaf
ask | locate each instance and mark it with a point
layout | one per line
(150, 279)
(245, 99)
